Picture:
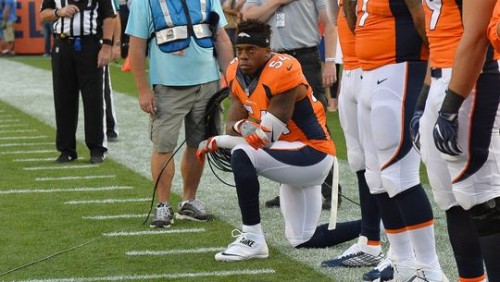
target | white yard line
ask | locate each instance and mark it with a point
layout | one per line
(34, 160)
(106, 201)
(12, 125)
(162, 276)
(27, 152)
(26, 144)
(87, 177)
(13, 120)
(17, 131)
(117, 216)
(153, 232)
(23, 137)
(174, 251)
(60, 167)
(55, 190)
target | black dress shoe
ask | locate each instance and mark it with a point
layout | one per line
(96, 157)
(66, 158)
(112, 136)
(273, 203)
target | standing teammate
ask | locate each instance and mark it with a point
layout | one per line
(467, 130)
(444, 30)
(367, 251)
(390, 37)
(83, 38)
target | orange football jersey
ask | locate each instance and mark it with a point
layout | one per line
(492, 28)
(347, 41)
(385, 34)
(443, 25)
(280, 74)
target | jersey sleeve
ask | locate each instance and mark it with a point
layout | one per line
(492, 28)
(283, 73)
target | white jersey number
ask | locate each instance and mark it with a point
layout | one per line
(435, 6)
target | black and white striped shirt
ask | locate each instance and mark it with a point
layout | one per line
(87, 22)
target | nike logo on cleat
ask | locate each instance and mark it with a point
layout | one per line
(381, 80)
(247, 242)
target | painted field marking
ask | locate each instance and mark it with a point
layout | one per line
(17, 131)
(10, 120)
(60, 167)
(117, 216)
(34, 160)
(26, 152)
(106, 201)
(174, 252)
(73, 177)
(26, 144)
(161, 276)
(23, 137)
(12, 125)
(153, 232)
(78, 189)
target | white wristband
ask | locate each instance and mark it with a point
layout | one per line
(329, 60)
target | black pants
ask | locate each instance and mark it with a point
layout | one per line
(124, 38)
(311, 67)
(73, 72)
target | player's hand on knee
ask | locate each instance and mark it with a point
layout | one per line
(254, 133)
(414, 129)
(445, 133)
(205, 147)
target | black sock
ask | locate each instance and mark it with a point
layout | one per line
(370, 216)
(322, 238)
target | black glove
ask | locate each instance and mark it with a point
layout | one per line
(445, 131)
(414, 127)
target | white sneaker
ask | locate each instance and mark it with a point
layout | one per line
(384, 268)
(430, 276)
(402, 273)
(359, 254)
(246, 246)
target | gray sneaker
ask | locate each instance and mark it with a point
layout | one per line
(193, 210)
(164, 217)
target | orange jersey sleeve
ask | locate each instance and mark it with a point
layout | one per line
(385, 34)
(443, 25)
(282, 73)
(347, 41)
(493, 28)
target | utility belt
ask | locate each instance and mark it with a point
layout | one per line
(300, 51)
(76, 41)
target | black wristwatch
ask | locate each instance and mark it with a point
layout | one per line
(107, 42)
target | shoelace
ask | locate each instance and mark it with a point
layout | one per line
(236, 233)
(198, 205)
(163, 212)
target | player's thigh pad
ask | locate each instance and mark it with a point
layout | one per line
(350, 92)
(437, 168)
(291, 163)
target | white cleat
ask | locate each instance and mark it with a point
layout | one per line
(246, 246)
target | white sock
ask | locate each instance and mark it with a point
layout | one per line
(256, 229)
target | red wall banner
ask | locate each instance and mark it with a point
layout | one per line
(28, 30)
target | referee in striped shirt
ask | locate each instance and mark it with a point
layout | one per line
(83, 31)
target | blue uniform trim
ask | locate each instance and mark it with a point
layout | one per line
(306, 120)
(481, 126)
(305, 156)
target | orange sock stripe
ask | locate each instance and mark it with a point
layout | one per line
(373, 243)
(395, 231)
(420, 225)
(476, 279)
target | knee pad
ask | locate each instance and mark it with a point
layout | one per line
(486, 217)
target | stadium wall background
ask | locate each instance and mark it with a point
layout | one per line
(28, 29)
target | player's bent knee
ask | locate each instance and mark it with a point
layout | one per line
(486, 217)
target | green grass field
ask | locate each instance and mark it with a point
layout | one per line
(81, 222)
